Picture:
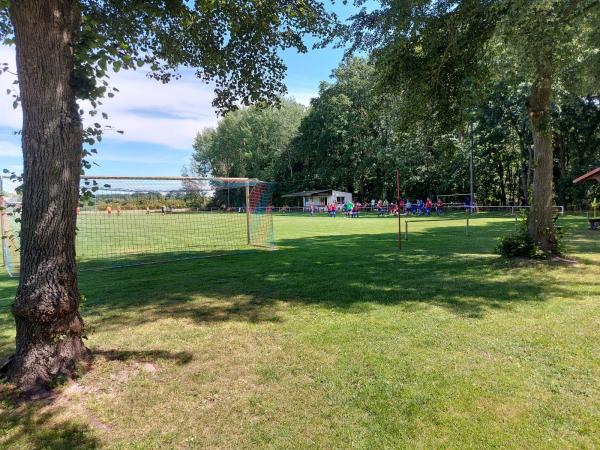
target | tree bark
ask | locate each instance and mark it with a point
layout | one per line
(524, 169)
(46, 308)
(502, 185)
(541, 227)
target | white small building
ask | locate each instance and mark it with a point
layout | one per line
(321, 198)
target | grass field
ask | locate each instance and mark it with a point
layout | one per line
(105, 240)
(334, 340)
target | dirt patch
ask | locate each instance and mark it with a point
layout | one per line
(125, 375)
(149, 367)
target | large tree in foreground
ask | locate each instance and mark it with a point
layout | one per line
(436, 53)
(64, 50)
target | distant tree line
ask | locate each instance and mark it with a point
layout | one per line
(153, 201)
(353, 137)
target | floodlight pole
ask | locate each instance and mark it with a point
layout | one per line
(398, 209)
(248, 211)
(471, 193)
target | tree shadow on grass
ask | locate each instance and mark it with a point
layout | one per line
(347, 273)
(350, 273)
(35, 425)
(42, 423)
(181, 358)
(437, 266)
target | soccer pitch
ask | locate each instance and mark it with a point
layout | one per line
(134, 237)
(336, 339)
(102, 238)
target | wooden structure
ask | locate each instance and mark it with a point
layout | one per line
(592, 175)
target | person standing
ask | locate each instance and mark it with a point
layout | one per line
(439, 207)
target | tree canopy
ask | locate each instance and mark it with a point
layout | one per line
(234, 44)
(353, 137)
(65, 52)
(439, 56)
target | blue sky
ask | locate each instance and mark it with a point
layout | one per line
(160, 121)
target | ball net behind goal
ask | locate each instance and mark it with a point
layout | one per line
(128, 221)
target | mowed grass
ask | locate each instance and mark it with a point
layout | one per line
(107, 240)
(336, 339)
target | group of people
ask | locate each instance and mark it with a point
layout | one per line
(420, 207)
(353, 209)
(349, 208)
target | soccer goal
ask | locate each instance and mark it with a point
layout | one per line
(136, 220)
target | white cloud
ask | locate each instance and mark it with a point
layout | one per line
(145, 109)
(10, 149)
(172, 157)
(302, 96)
(166, 114)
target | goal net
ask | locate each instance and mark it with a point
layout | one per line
(135, 220)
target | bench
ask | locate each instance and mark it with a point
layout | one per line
(594, 223)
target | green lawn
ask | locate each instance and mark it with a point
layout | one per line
(335, 340)
(134, 236)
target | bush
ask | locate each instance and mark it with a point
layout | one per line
(517, 244)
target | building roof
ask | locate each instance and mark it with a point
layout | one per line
(593, 174)
(308, 193)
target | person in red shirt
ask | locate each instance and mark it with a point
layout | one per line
(332, 209)
(439, 207)
(428, 205)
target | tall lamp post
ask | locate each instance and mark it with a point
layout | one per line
(471, 191)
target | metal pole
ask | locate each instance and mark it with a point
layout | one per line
(467, 230)
(248, 211)
(3, 226)
(406, 230)
(398, 209)
(471, 193)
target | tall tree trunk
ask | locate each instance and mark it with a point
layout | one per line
(502, 186)
(362, 189)
(524, 186)
(562, 155)
(541, 227)
(524, 164)
(524, 170)
(46, 308)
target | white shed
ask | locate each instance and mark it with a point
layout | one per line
(321, 198)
